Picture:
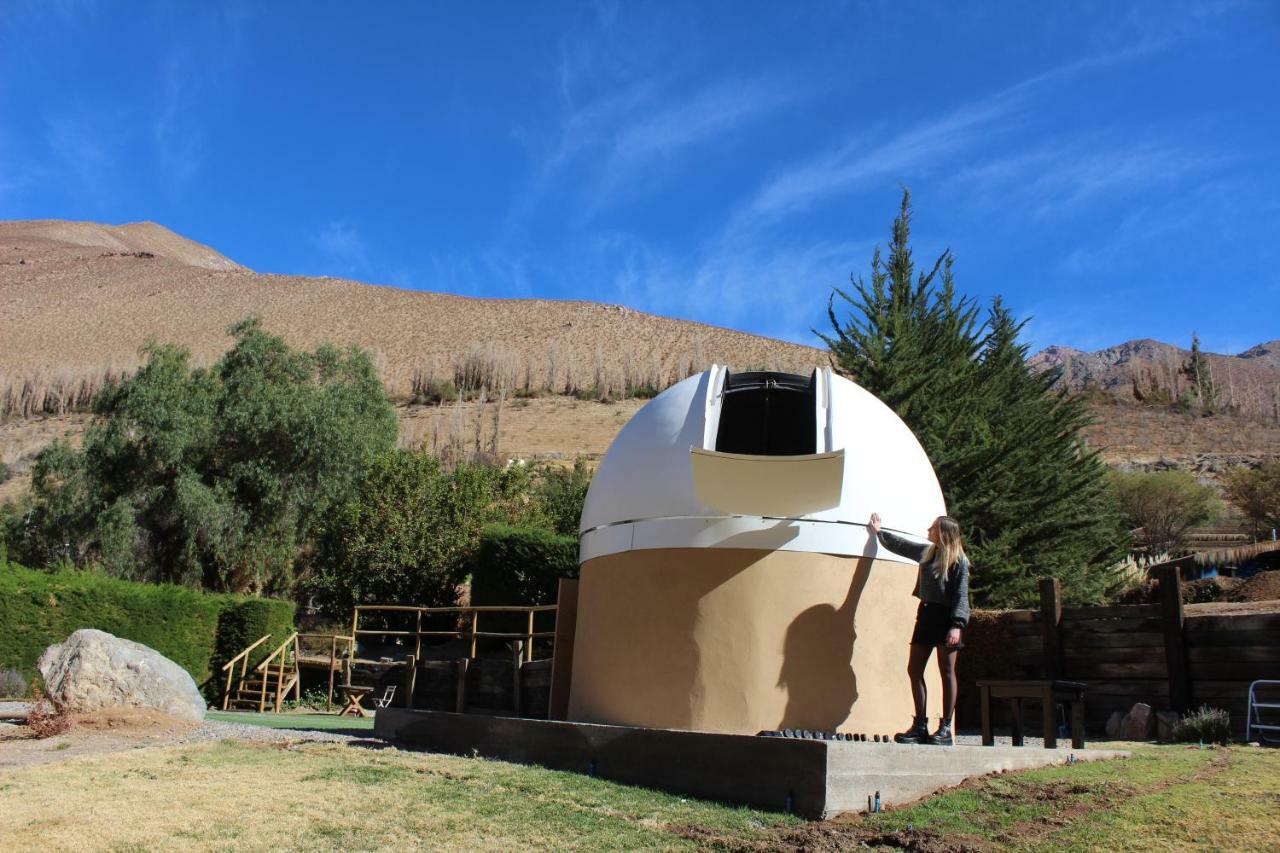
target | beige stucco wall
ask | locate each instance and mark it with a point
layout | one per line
(739, 640)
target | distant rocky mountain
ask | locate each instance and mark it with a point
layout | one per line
(1147, 369)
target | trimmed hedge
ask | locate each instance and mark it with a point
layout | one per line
(197, 630)
(521, 565)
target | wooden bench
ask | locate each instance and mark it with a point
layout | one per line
(1049, 692)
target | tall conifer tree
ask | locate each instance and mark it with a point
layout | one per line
(1032, 499)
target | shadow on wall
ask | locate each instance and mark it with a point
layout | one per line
(817, 661)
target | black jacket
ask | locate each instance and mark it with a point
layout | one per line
(954, 592)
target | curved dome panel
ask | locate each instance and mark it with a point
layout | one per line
(643, 495)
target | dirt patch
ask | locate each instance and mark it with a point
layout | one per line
(1264, 586)
(145, 720)
(91, 734)
(1075, 805)
(829, 836)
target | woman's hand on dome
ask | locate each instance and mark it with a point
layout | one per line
(873, 524)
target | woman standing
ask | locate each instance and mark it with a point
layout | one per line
(942, 586)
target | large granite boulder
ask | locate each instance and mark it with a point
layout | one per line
(93, 670)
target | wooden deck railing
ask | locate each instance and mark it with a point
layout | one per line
(243, 660)
(471, 632)
(334, 659)
(265, 668)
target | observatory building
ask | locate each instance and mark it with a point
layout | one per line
(728, 581)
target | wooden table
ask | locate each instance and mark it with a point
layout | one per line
(353, 694)
(1049, 692)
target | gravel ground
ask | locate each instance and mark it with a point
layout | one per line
(214, 730)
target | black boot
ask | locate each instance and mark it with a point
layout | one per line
(942, 737)
(918, 733)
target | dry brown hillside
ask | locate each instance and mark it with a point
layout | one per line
(77, 300)
(1151, 370)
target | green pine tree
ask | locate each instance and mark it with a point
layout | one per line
(1032, 499)
(1196, 368)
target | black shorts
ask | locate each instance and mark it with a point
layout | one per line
(933, 622)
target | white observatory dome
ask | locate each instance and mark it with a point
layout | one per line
(810, 458)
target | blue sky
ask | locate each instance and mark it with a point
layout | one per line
(1111, 169)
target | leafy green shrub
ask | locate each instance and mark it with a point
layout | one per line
(407, 531)
(13, 685)
(313, 699)
(1165, 504)
(521, 565)
(1206, 725)
(5, 473)
(243, 622)
(562, 492)
(209, 477)
(38, 609)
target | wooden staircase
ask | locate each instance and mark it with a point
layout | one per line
(266, 685)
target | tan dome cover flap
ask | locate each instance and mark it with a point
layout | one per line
(774, 486)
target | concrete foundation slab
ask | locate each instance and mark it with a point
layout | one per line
(812, 778)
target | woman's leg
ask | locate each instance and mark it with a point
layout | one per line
(916, 663)
(947, 669)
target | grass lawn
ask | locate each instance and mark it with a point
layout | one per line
(331, 797)
(304, 722)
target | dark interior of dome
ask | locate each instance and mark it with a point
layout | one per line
(768, 414)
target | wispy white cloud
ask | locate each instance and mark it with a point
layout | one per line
(869, 157)
(626, 142)
(343, 245)
(85, 146)
(178, 139)
(676, 124)
(1064, 177)
(776, 289)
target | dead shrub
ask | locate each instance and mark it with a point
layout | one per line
(47, 717)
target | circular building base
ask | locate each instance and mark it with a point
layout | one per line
(737, 640)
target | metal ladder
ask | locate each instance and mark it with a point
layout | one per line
(1253, 720)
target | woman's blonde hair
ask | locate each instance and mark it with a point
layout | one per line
(950, 546)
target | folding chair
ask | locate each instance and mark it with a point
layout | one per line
(1253, 719)
(387, 696)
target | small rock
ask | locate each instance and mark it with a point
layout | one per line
(1137, 724)
(1113, 724)
(93, 670)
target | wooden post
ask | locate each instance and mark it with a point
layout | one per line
(1077, 721)
(988, 733)
(1049, 717)
(517, 659)
(410, 680)
(562, 651)
(333, 657)
(1051, 627)
(417, 648)
(461, 704)
(475, 622)
(528, 654)
(1175, 648)
(279, 681)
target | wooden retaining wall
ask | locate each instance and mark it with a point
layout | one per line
(1168, 655)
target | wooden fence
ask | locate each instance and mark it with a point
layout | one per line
(1169, 655)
